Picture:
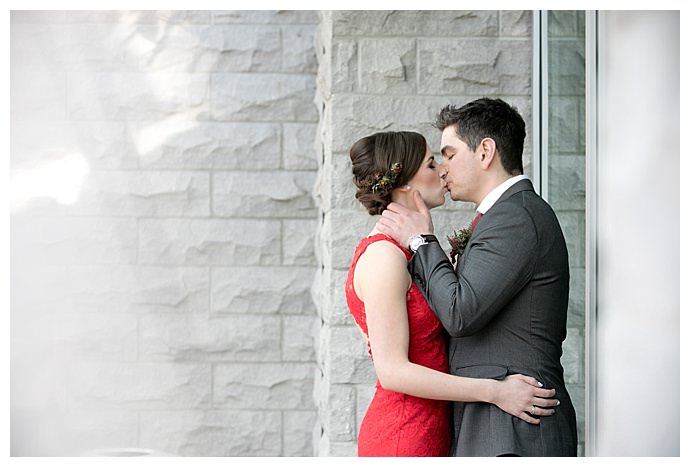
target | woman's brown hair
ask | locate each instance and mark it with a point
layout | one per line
(374, 160)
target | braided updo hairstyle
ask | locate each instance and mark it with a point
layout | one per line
(373, 156)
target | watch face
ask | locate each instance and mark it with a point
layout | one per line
(416, 242)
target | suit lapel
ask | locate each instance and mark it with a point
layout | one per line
(522, 185)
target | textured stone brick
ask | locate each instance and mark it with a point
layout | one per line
(178, 143)
(334, 449)
(299, 147)
(212, 241)
(475, 67)
(228, 433)
(344, 230)
(154, 194)
(101, 144)
(515, 23)
(249, 338)
(342, 190)
(299, 55)
(340, 419)
(263, 194)
(247, 48)
(360, 115)
(112, 289)
(388, 65)
(298, 334)
(262, 290)
(266, 17)
(344, 73)
(137, 96)
(335, 311)
(348, 360)
(74, 240)
(140, 385)
(365, 393)
(263, 97)
(414, 23)
(126, 288)
(322, 192)
(298, 430)
(267, 386)
(298, 242)
(175, 48)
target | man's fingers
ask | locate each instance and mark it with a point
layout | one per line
(390, 214)
(395, 207)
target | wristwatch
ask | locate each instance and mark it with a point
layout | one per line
(419, 240)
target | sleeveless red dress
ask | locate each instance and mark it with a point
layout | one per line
(397, 424)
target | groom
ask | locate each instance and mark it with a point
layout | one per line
(505, 306)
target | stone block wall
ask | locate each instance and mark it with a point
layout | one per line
(182, 212)
(163, 232)
(393, 70)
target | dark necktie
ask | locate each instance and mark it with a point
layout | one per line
(474, 222)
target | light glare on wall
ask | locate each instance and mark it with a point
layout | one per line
(60, 180)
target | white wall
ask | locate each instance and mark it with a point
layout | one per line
(162, 251)
(638, 321)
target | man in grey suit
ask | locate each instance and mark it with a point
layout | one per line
(506, 302)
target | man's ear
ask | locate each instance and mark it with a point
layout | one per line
(487, 152)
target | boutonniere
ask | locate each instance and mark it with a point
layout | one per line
(458, 242)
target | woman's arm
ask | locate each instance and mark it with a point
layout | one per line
(381, 281)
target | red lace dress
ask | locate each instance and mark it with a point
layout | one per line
(398, 424)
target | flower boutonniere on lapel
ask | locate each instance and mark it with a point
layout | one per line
(458, 242)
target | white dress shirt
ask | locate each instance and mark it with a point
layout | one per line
(491, 198)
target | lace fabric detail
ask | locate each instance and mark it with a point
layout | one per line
(398, 424)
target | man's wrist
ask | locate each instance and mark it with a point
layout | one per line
(417, 241)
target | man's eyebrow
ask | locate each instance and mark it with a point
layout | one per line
(443, 149)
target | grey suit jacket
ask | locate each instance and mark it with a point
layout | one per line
(505, 309)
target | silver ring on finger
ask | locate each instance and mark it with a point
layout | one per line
(532, 410)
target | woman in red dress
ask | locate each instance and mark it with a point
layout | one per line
(410, 414)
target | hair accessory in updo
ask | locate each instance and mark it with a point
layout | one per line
(385, 182)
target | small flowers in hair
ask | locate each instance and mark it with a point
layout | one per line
(386, 181)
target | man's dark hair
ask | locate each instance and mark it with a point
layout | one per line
(488, 118)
